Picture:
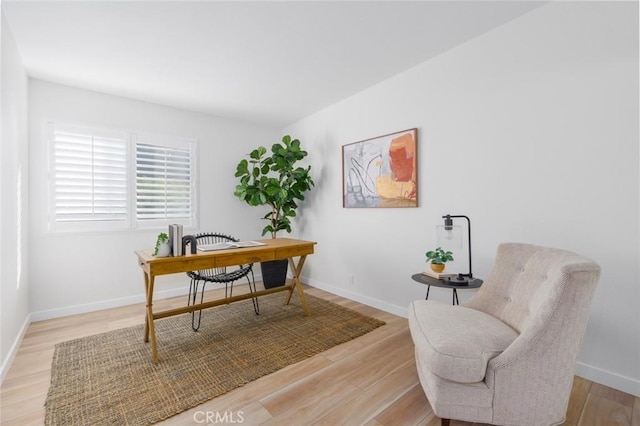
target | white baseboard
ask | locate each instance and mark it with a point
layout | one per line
(401, 311)
(608, 378)
(589, 372)
(107, 304)
(4, 369)
(112, 303)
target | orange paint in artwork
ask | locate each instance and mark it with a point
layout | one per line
(402, 157)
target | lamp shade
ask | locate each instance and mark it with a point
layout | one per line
(449, 237)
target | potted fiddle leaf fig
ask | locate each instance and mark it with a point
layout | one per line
(274, 179)
(438, 258)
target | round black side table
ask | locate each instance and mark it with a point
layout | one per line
(444, 283)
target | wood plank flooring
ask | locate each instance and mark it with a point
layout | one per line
(371, 380)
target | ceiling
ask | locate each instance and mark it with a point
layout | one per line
(268, 62)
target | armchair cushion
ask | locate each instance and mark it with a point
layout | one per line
(455, 342)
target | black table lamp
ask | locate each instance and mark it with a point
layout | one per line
(450, 235)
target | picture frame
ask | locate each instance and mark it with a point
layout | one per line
(381, 172)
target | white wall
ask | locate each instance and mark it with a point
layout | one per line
(14, 297)
(72, 273)
(532, 131)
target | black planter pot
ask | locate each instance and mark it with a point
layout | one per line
(274, 273)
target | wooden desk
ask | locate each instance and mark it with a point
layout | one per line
(279, 248)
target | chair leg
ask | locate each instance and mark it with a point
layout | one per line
(444, 422)
(191, 300)
(193, 282)
(256, 306)
(196, 326)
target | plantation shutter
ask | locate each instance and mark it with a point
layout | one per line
(164, 181)
(89, 174)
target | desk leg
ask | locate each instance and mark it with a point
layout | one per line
(149, 329)
(428, 288)
(146, 316)
(296, 270)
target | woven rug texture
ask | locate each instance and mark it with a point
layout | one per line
(110, 379)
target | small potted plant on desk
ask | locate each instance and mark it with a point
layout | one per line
(274, 180)
(438, 258)
(162, 248)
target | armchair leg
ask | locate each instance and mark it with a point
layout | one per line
(444, 422)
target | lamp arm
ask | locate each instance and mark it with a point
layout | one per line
(470, 274)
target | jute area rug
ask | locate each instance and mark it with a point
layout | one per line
(109, 378)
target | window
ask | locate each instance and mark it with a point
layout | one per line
(89, 176)
(163, 182)
(109, 179)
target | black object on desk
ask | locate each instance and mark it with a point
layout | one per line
(447, 283)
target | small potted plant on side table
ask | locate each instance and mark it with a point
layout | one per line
(438, 258)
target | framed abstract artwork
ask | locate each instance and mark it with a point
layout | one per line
(381, 172)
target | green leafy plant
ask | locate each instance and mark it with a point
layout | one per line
(162, 238)
(274, 180)
(439, 256)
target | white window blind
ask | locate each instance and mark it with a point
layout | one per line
(89, 175)
(104, 179)
(163, 182)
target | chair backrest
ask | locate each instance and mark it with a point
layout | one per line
(526, 277)
(214, 238)
(545, 295)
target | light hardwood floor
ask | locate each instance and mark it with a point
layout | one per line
(370, 380)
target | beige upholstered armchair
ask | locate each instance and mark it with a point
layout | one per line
(507, 356)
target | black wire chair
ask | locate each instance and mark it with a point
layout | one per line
(225, 275)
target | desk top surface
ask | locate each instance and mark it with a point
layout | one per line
(274, 248)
